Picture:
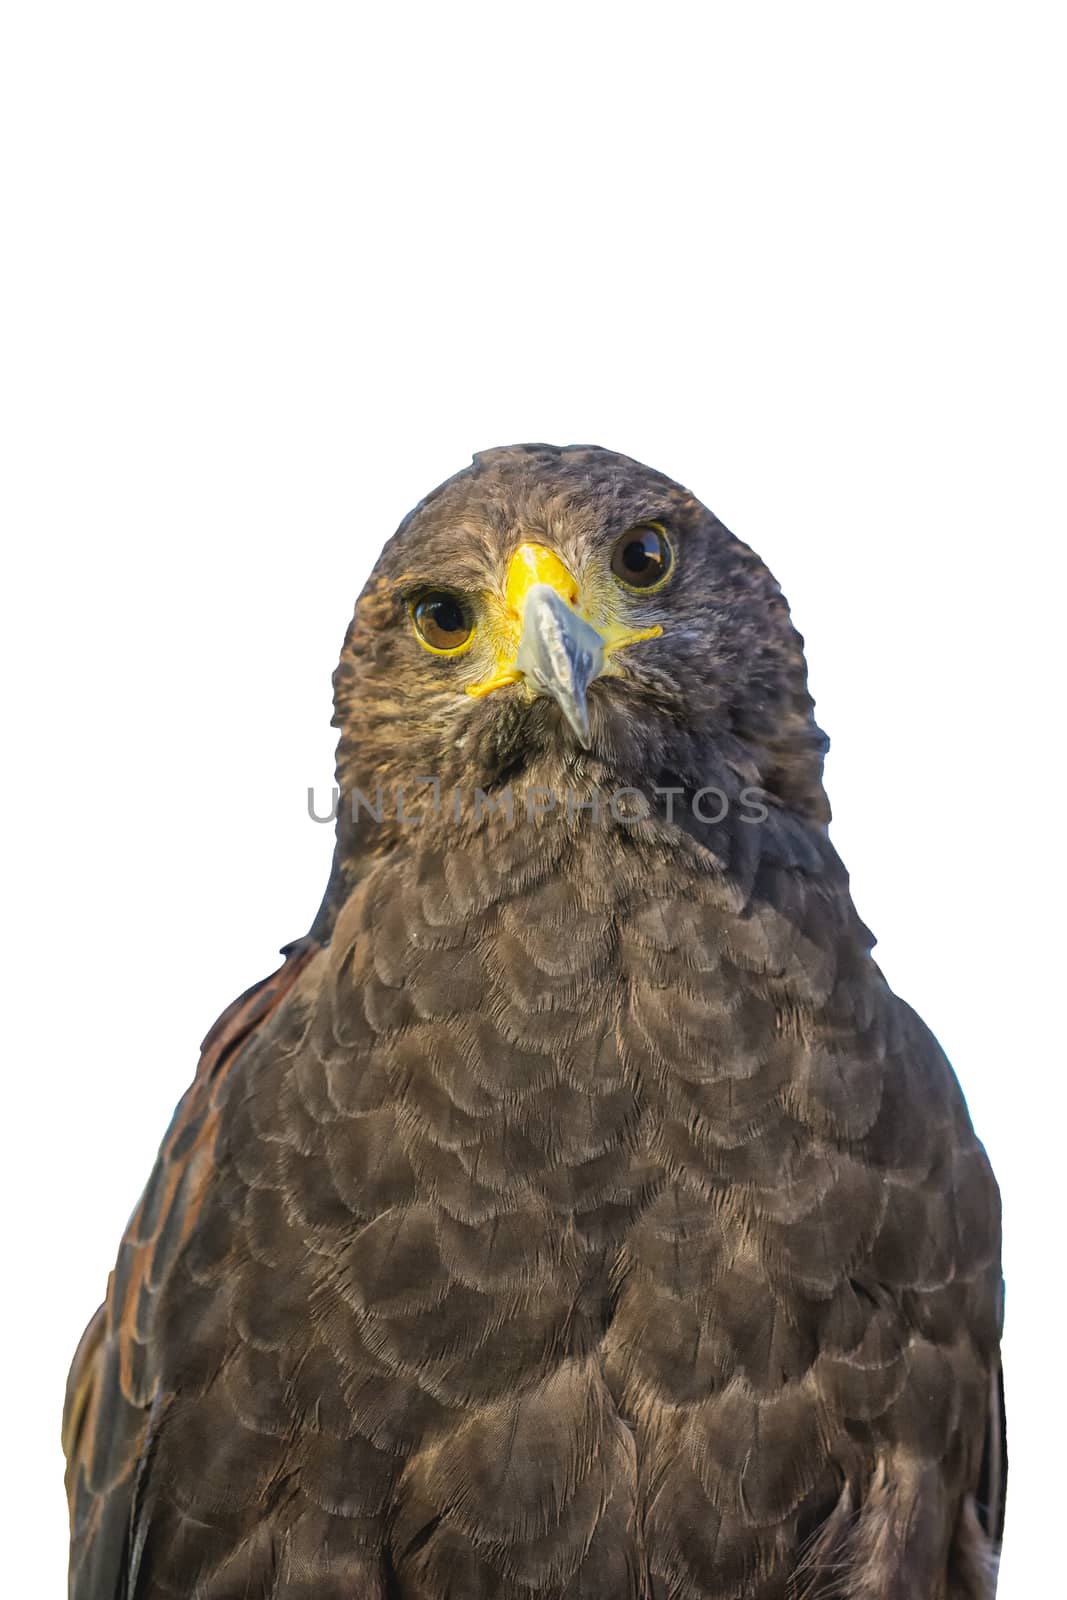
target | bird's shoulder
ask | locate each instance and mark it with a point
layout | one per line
(114, 1373)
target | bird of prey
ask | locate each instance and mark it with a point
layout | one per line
(576, 1213)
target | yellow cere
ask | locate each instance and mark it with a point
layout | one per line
(532, 564)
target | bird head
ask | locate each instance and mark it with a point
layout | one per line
(550, 615)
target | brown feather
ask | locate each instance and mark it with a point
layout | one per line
(578, 1214)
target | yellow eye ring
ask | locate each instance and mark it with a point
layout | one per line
(642, 559)
(442, 622)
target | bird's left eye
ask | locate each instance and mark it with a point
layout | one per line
(442, 622)
(643, 557)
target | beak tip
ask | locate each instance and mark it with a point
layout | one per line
(577, 716)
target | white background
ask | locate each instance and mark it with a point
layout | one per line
(274, 271)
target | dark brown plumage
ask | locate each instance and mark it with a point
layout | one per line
(576, 1213)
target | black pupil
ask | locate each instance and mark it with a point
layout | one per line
(445, 614)
(642, 558)
(641, 553)
(441, 619)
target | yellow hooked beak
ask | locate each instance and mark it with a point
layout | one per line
(548, 642)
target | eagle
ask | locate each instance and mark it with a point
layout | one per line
(576, 1214)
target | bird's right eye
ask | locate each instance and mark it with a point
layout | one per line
(442, 622)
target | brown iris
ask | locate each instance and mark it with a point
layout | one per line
(442, 622)
(642, 558)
